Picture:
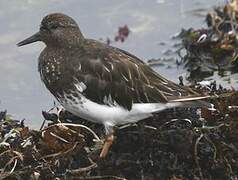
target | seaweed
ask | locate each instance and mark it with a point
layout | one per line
(181, 143)
(213, 48)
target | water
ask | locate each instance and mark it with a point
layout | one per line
(151, 22)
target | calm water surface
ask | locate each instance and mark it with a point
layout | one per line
(150, 21)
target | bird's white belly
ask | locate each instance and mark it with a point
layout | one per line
(115, 114)
(104, 114)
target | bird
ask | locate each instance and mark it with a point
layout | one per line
(102, 83)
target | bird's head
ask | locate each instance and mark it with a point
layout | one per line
(57, 30)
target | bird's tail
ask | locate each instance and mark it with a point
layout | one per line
(195, 102)
(145, 108)
(198, 104)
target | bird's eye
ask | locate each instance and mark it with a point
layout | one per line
(54, 26)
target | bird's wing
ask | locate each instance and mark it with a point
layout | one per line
(113, 76)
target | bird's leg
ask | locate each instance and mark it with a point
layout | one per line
(107, 144)
(108, 141)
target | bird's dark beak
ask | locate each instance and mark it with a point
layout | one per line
(33, 38)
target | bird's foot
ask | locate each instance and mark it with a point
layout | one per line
(107, 144)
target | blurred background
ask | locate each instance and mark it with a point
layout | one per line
(152, 23)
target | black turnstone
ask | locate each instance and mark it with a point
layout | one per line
(101, 83)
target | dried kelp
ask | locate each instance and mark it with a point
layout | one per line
(214, 48)
(174, 144)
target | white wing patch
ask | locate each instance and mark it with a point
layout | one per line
(80, 86)
(109, 101)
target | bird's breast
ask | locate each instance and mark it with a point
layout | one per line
(50, 71)
(56, 71)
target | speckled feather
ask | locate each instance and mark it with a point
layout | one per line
(110, 71)
(99, 82)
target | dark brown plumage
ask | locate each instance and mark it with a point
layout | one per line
(98, 82)
(109, 70)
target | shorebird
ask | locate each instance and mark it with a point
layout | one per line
(101, 83)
